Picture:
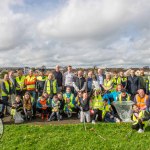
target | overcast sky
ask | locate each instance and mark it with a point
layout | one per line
(78, 32)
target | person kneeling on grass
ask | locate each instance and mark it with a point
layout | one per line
(27, 105)
(61, 108)
(107, 112)
(85, 109)
(42, 106)
(17, 110)
(139, 117)
(55, 109)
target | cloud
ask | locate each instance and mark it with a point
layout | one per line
(81, 33)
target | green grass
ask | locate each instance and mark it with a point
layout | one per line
(74, 137)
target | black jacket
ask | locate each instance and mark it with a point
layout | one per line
(58, 77)
(132, 85)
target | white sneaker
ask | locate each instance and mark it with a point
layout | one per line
(93, 122)
(140, 131)
(117, 120)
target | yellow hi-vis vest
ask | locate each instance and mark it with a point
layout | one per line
(40, 78)
(120, 98)
(108, 84)
(97, 102)
(8, 87)
(30, 82)
(140, 116)
(21, 82)
(65, 97)
(105, 109)
(48, 87)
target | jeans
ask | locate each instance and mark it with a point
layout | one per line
(85, 115)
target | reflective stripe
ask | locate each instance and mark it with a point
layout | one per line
(30, 82)
(20, 82)
(8, 88)
(48, 87)
(141, 103)
(105, 109)
(127, 99)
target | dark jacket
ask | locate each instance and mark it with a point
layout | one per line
(144, 83)
(132, 85)
(80, 83)
(58, 77)
(84, 104)
(40, 83)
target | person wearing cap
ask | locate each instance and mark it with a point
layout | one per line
(142, 100)
(123, 96)
(68, 79)
(59, 77)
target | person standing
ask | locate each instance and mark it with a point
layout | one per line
(80, 83)
(122, 79)
(59, 77)
(143, 82)
(20, 84)
(40, 83)
(132, 84)
(50, 86)
(100, 77)
(6, 90)
(68, 79)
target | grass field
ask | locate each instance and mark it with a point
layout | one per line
(74, 137)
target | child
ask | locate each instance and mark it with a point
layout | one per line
(68, 107)
(77, 103)
(55, 108)
(107, 113)
(60, 98)
(85, 109)
(27, 106)
(96, 105)
(42, 105)
(17, 110)
(138, 117)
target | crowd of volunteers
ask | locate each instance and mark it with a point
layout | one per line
(87, 96)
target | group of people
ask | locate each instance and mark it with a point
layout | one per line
(90, 96)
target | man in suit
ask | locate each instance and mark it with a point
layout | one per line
(132, 84)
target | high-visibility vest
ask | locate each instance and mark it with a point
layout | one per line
(8, 87)
(105, 109)
(48, 87)
(97, 102)
(122, 80)
(30, 82)
(40, 78)
(108, 84)
(71, 97)
(141, 102)
(120, 97)
(21, 82)
(140, 116)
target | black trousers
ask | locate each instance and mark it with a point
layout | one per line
(97, 112)
(138, 126)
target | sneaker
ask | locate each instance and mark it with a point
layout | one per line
(117, 120)
(140, 131)
(93, 122)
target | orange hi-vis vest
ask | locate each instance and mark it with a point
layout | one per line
(43, 103)
(30, 82)
(141, 102)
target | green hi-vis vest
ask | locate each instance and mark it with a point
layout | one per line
(120, 98)
(97, 102)
(8, 87)
(53, 86)
(105, 109)
(20, 83)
